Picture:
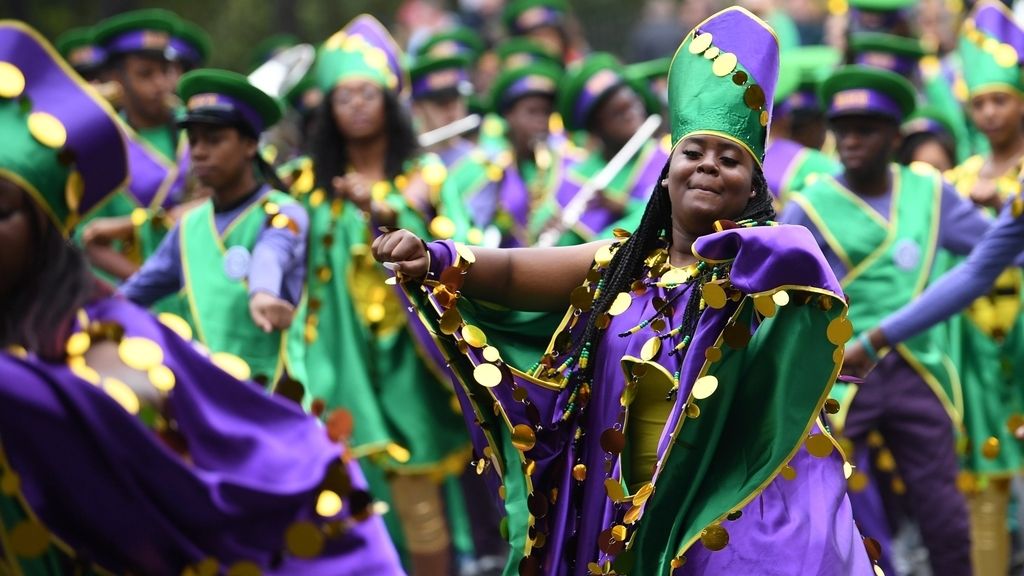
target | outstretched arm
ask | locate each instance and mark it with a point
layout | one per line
(520, 278)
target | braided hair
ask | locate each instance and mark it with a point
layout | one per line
(655, 231)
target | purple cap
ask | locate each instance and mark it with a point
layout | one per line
(530, 84)
(224, 107)
(139, 40)
(863, 101)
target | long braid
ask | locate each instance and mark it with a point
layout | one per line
(654, 231)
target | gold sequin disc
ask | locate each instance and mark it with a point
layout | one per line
(162, 378)
(140, 353)
(328, 504)
(651, 348)
(840, 330)
(523, 437)
(47, 130)
(78, 344)
(474, 336)
(700, 43)
(304, 540)
(724, 64)
(122, 394)
(232, 364)
(12, 81)
(704, 387)
(714, 295)
(819, 445)
(176, 323)
(714, 538)
(620, 304)
(487, 375)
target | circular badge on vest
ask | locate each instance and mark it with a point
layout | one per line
(906, 254)
(236, 262)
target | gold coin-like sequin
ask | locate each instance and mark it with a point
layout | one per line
(232, 364)
(140, 353)
(304, 540)
(840, 330)
(714, 538)
(47, 130)
(700, 43)
(620, 304)
(474, 336)
(724, 64)
(162, 378)
(754, 97)
(714, 295)
(765, 305)
(442, 227)
(650, 348)
(122, 394)
(487, 375)
(328, 504)
(523, 437)
(990, 449)
(12, 81)
(29, 539)
(819, 445)
(704, 387)
(78, 344)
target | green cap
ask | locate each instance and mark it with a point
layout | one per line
(362, 49)
(227, 98)
(862, 90)
(149, 30)
(512, 84)
(456, 41)
(990, 45)
(523, 16)
(722, 80)
(63, 144)
(516, 52)
(590, 81)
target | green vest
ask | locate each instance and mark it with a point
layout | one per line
(888, 264)
(218, 303)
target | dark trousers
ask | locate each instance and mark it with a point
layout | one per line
(896, 401)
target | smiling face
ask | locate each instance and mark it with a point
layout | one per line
(710, 178)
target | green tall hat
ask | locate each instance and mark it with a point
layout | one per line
(226, 98)
(898, 54)
(362, 49)
(991, 44)
(722, 80)
(591, 81)
(62, 142)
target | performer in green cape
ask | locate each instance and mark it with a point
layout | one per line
(351, 341)
(669, 425)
